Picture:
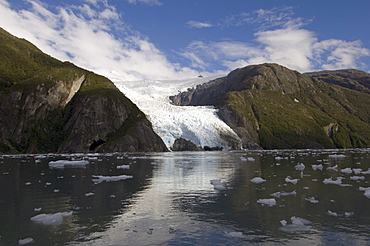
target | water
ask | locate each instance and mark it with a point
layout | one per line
(169, 200)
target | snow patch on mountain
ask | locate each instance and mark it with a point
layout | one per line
(199, 124)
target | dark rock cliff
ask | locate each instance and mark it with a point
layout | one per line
(270, 106)
(52, 106)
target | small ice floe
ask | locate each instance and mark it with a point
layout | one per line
(366, 172)
(290, 180)
(28, 183)
(90, 194)
(346, 170)
(331, 213)
(236, 234)
(78, 228)
(123, 167)
(258, 180)
(367, 191)
(25, 241)
(282, 194)
(56, 190)
(98, 179)
(37, 209)
(242, 158)
(311, 199)
(217, 184)
(336, 156)
(349, 214)
(331, 181)
(298, 225)
(300, 167)
(61, 164)
(334, 168)
(317, 167)
(357, 178)
(269, 201)
(50, 219)
(357, 170)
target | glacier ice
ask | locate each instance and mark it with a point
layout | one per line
(258, 180)
(60, 164)
(199, 124)
(50, 219)
(268, 201)
(99, 178)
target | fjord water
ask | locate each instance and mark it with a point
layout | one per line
(187, 198)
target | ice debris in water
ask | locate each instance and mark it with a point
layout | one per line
(335, 168)
(331, 213)
(357, 170)
(217, 185)
(280, 194)
(367, 191)
(258, 180)
(60, 164)
(346, 170)
(25, 241)
(349, 214)
(123, 167)
(335, 156)
(236, 234)
(357, 178)
(331, 181)
(311, 199)
(50, 219)
(269, 201)
(366, 172)
(317, 167)
(300, 167)
(290, 180)
(98, 179)
(298, 225)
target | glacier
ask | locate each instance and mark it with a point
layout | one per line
(199, 124)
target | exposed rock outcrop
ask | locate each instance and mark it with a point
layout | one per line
(181, 144)
(270, 106)
(52, 106)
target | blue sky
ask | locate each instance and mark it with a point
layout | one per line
(172, 39)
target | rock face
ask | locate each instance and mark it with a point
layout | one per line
(52, 106)
(272, 107)
(181, 144)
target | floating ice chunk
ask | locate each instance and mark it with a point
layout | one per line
(98, 179)
(366, 172)
(242, 158)
(28, 183)
(300, 167)
(357, 170)
(217, 185)
(290, 180)
(357, 178)
(123, 167)
(335, 168)
(367, 193)
(317, 167)
(90, 194)
(330, 213)
(280, 194)
(337, 156)
(37, 209)
(258, 180)
(346, 170)
(80, 228)
(60, 164)
(298, 225)
(311, 199)
(331, 181)
(50, 219)
(349, 214)
(236, 234)
(25, 241)
(269, 201)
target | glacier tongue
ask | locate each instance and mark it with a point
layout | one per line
(199, 124)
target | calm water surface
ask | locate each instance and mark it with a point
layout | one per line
(169, 198)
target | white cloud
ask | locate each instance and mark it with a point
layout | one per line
(83, 35)
(198, 24)
(148, 2)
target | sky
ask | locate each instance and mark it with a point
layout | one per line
(176, 39)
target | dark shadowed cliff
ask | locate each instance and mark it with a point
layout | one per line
(51, 106)
(270, 106)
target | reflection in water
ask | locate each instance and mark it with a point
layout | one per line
(170, 199)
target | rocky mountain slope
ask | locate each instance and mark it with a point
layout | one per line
(51, 106)
(270, 106)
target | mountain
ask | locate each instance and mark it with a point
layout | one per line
(51, 106)
(272, 107)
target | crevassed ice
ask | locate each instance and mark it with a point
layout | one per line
(199, 124)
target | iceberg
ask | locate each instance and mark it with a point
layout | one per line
(258, 180)
(298, 225)
(311, 199)
(290, 180)
(300, 167)
(50, 219)
(317, 167)
(334, 214)
(60, 164)
(123, 167)
(217, 185)
(346, 170)
(331, 181)
(269, 201)
(25, 241)
(98, 179)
